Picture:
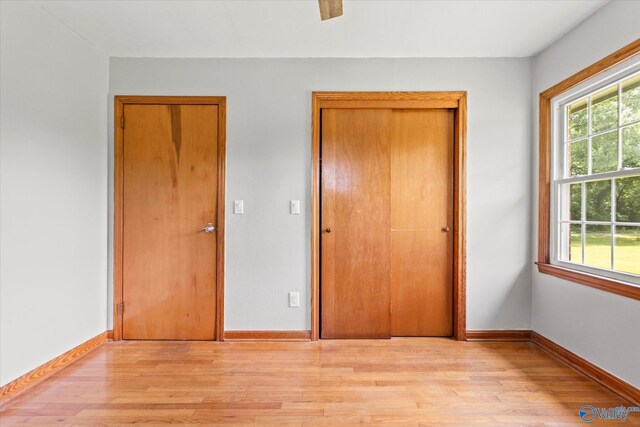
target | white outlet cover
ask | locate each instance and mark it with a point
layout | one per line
(294, 299)
(295, 207)
(238, 207)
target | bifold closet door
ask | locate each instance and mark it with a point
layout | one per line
(422, 223)
(355, 220)
(169, 197)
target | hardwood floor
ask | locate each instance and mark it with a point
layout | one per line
(405, 380)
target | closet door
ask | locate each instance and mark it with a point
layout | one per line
(356, 222)
(422, 222)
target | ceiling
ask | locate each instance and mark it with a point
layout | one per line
(292, 28)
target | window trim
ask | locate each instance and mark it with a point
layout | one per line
(614, 76)
(545, 127)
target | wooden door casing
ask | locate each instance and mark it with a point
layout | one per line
(456, 101)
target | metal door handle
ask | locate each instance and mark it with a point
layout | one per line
(445, 229)
(328, 229)
(209, 228)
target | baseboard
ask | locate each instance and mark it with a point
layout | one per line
(597, 374)
(37, 375)
(110, 335)
(499, 335)
(267, 335)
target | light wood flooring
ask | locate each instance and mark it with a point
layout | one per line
(408, 381)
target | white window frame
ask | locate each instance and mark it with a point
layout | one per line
(589, 87)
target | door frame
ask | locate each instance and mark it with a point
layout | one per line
(455, 101)
(118, 120)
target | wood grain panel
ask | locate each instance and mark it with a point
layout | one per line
(44, 371)
(421, 169)
(356, 200)
(460, 221)
(119, 104)
(421, 206)
(220, 215)
(499, 335)
(421, 287)
(544, 179)
(172, 100)
(406, 381)
(170, 181)
(406, 100)
(118, 220)
(609, 285)
(420, 100)
(267, 335)
(315, 217)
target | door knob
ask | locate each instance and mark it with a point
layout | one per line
(328, 229)
(209, 228)
(445, 229)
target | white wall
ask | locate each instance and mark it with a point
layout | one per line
(599, 326)
(269, 163)
(53, 186)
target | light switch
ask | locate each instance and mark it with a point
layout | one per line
(294, 299)
(295, 207)
(238, 207)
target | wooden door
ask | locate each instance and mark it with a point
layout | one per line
(169, 194)
(355, 219)
(421, 214)
(387, 198)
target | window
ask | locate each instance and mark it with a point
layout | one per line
(597, 180)
(589, 176)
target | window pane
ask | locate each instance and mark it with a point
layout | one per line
(598, 200)
(575, 250)
(628, 199)
(631, 99)
(627, 253)
(570, 199)
(577, 118)
(571, 242)
(631, 146)
(576, 202)
(597, 248)
(577, 154)
(604, 109)
(604, 152)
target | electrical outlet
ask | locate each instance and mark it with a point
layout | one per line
(294, 299)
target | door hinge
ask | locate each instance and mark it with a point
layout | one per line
(121, 308)
(122, 121)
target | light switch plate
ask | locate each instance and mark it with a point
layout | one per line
(294, 299)
(238, 207)
(295, 207)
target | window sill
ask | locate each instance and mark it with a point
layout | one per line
(605, 284)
